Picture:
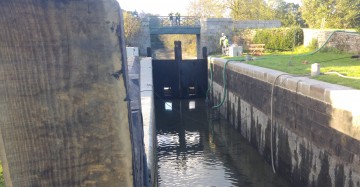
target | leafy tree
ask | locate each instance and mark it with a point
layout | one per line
(132, 26)
(309, 13)
(275, 4)
(289, 14)
(206, 8)
(331, 13)
(345, 14)
(249, 10)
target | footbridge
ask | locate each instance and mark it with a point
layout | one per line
(167, 25)
(207, 30)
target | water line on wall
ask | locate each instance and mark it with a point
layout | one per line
(272, 89)
(272, 113)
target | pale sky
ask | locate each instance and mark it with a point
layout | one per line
(161, 7)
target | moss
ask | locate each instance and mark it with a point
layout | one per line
(2, 182)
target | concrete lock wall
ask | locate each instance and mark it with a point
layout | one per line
(211, 29)
(316, 134)
(147, 107)
(348, 42)
(64, 116)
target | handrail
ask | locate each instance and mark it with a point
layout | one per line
(166, 21)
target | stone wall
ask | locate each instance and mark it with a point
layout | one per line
(211, 29)
(316, 134)
(143, 38)
(64, 116)
(348, 42)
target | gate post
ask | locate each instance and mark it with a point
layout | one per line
(204, 53)
(148, 52)
(177, 49)
(178, 59)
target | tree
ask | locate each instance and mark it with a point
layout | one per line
(331, 13)
(345, 13)
(289, 14)
(249, 10)
(132, 26)
(275, 4)
(206, 8)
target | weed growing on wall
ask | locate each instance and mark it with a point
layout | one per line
(314, 44)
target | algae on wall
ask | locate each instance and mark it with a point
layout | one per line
(64, 118)
(2, 182)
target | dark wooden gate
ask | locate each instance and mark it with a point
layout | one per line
(180, 79)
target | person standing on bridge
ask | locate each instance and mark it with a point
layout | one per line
(171, 18)
(177, 18)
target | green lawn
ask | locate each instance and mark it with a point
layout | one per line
(300, 64)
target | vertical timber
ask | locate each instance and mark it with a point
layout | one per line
(64, 116)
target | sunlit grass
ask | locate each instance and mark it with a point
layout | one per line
(299, 63)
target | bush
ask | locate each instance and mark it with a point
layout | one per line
(313, 44)
(282, 39)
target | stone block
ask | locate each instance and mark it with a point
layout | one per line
(317, 92)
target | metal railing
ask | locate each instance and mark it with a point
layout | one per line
(166, 21)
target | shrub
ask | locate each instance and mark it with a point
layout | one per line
(282, 39)
(313, 44)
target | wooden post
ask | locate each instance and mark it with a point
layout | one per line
(64, 116)
(204, 53)
(148, 50)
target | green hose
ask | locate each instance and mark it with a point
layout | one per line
(225, 87)
(311, 53)
(327, 41)
(224, 70)
(224, 82)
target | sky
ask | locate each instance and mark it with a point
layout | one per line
(161, 7)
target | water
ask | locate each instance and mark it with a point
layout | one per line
(195, 151)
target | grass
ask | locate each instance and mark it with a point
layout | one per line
(2, 182)
(299, 64)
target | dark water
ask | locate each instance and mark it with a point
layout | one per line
(195, 151)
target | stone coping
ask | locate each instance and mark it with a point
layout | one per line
(339, 97)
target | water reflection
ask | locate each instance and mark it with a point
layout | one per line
(195, 152)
